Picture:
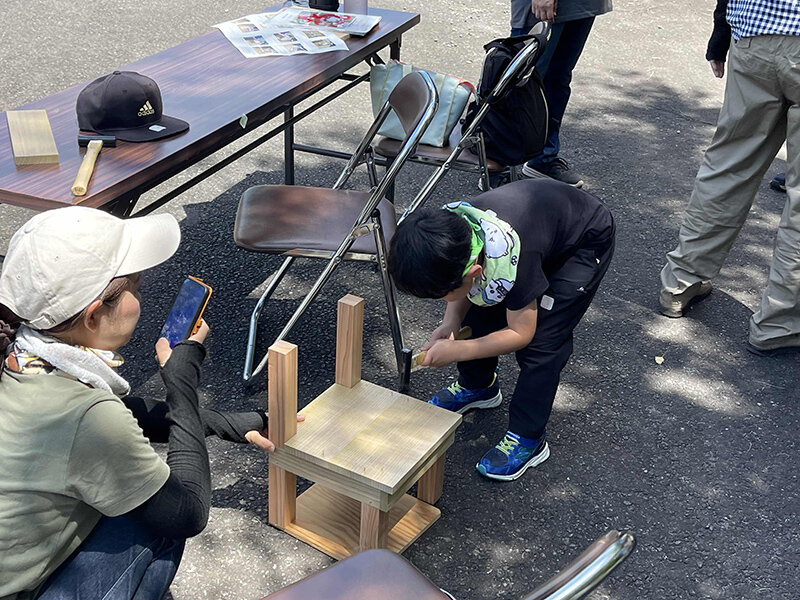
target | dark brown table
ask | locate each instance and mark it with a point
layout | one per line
(207, 82)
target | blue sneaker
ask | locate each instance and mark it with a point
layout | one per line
(460, 400)
(512, 457)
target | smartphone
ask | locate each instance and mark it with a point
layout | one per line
(187, 310)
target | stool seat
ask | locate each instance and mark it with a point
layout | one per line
(390, 148)
(275, 219)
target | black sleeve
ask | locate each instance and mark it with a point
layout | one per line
(180, 508)
(229, 426)
(720, 40)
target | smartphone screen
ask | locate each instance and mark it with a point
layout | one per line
(185, 312)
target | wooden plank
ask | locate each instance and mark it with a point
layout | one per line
(349, 340)
(372, 534)
(330, 522)
(371, 434)
(282, 497)
(282, 402)
(32, 140)
(282, 392)
(431, 484)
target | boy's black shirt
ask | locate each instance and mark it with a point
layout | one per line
(553, 221)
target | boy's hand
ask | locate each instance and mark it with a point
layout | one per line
(260, 439)
(442, 353)
(445, 331)
(163, 351)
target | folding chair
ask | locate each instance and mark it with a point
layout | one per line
(335, 224)
(453, 156)
(383, 575)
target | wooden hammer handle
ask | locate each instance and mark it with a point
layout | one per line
(87, 167)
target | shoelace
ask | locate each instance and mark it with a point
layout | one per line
(507, 444)
(455, 388)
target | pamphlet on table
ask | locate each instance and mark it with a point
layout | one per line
(258, 35)
(295, 16)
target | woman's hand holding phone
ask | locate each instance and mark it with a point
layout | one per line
(164, 351)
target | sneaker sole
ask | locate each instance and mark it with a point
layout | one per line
(677, 314)
(532, 173)
(772, 352)
(489, 403)
(532, 462)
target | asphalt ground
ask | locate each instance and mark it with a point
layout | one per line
(696, 456)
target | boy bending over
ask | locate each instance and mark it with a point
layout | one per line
(519, 265)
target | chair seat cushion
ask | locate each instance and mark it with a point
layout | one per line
(279, 218)
(371, 575)
(389, 148)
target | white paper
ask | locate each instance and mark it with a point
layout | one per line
(257, 35)
(334, 21)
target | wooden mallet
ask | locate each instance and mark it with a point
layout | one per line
(93, 144)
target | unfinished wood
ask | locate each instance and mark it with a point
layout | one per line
(370, 434)
(282, 392)
(349, 487)
(282, 497)
(431, 484)
(330, 522)
(282, 402)
(86, 169)
(349, 340)
(372, 534)
(32, 140)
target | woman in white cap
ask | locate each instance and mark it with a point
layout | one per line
(87, 508)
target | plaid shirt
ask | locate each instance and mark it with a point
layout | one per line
(763, 17)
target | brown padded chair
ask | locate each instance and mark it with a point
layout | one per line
(384, 575)
(453, 156)
(335, 224)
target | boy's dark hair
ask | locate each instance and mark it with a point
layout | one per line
(429, 252)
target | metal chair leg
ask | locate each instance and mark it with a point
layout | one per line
(249, 373)
(388, 292)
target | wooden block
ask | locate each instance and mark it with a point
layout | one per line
(282, 497)
(431, 484)
(282, 392)
(371, 434)
(331, 522)
(32, 138)
(349, 340)
(373, 532)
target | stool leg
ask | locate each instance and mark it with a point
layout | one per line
(373, 528)
(430, 485)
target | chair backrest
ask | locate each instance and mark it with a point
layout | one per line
(521, 67)
(415, 100)
(583, 574)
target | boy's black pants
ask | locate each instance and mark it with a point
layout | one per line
(572, 288)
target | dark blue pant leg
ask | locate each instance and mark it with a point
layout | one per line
(120, 560)
(566, 44)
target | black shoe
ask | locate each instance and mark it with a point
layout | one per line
(778, 182)
(557, 169)
(495, 180)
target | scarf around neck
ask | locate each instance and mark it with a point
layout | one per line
(501, 248)
(35, 352)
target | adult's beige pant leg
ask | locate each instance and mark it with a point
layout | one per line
(750, 130)
(777, 322)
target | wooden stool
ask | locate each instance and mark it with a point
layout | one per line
(363, 445)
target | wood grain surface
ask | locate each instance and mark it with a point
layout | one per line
(205, 81)
(371, 434)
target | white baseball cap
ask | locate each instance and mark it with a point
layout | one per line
(62, 260)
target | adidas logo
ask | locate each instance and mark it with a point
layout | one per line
(146, 110)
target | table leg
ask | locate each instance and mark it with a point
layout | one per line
(373, 528)
(394, 48)
(123, 206)
(288, 148)
(431, 484)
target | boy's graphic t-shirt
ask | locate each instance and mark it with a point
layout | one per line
(553, 221)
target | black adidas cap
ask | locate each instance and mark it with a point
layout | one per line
(127, 105)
